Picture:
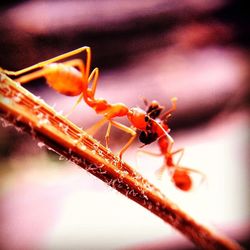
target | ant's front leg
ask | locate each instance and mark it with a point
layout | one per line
(93, 129)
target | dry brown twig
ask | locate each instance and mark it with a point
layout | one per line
(28, 112)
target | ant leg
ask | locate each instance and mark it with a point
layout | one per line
(127, 130)
(94, 128)
(76, 63)
(75, 105)
(170, 142)
(85, 93)
(190, 170)
(93, 76)
(55, 59)
(108, 134)
(148, 153)
(79, 64)
(85, 72)
(159, 171)
(181, 151)
(31, 76)
(40, 73)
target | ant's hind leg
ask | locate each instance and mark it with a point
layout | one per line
(159, 172)
(54, 59)
(141, 151)
(78, 63)
(108, 134)
(40, 73)
(31, 76)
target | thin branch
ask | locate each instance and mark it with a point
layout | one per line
(30, 113)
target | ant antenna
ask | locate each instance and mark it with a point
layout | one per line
(145, 100)
(167, 114)
(142, 146)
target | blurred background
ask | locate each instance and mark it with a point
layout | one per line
(195, 50)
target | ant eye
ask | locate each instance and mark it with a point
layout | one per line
(146, 118)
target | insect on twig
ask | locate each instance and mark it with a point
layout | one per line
(73, 78)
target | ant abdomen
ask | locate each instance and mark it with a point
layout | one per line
(65, 79)
(182, 180)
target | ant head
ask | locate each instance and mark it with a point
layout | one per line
(147, 137)
(138, 118)
(154, 109)
(151, 133)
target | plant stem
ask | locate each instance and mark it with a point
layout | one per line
(28, 112)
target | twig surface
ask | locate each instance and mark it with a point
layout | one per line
(30, 113)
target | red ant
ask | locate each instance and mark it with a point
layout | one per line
(180, 176)
(73, 78)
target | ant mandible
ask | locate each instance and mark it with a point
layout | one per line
(73, 78)
(180, 176)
